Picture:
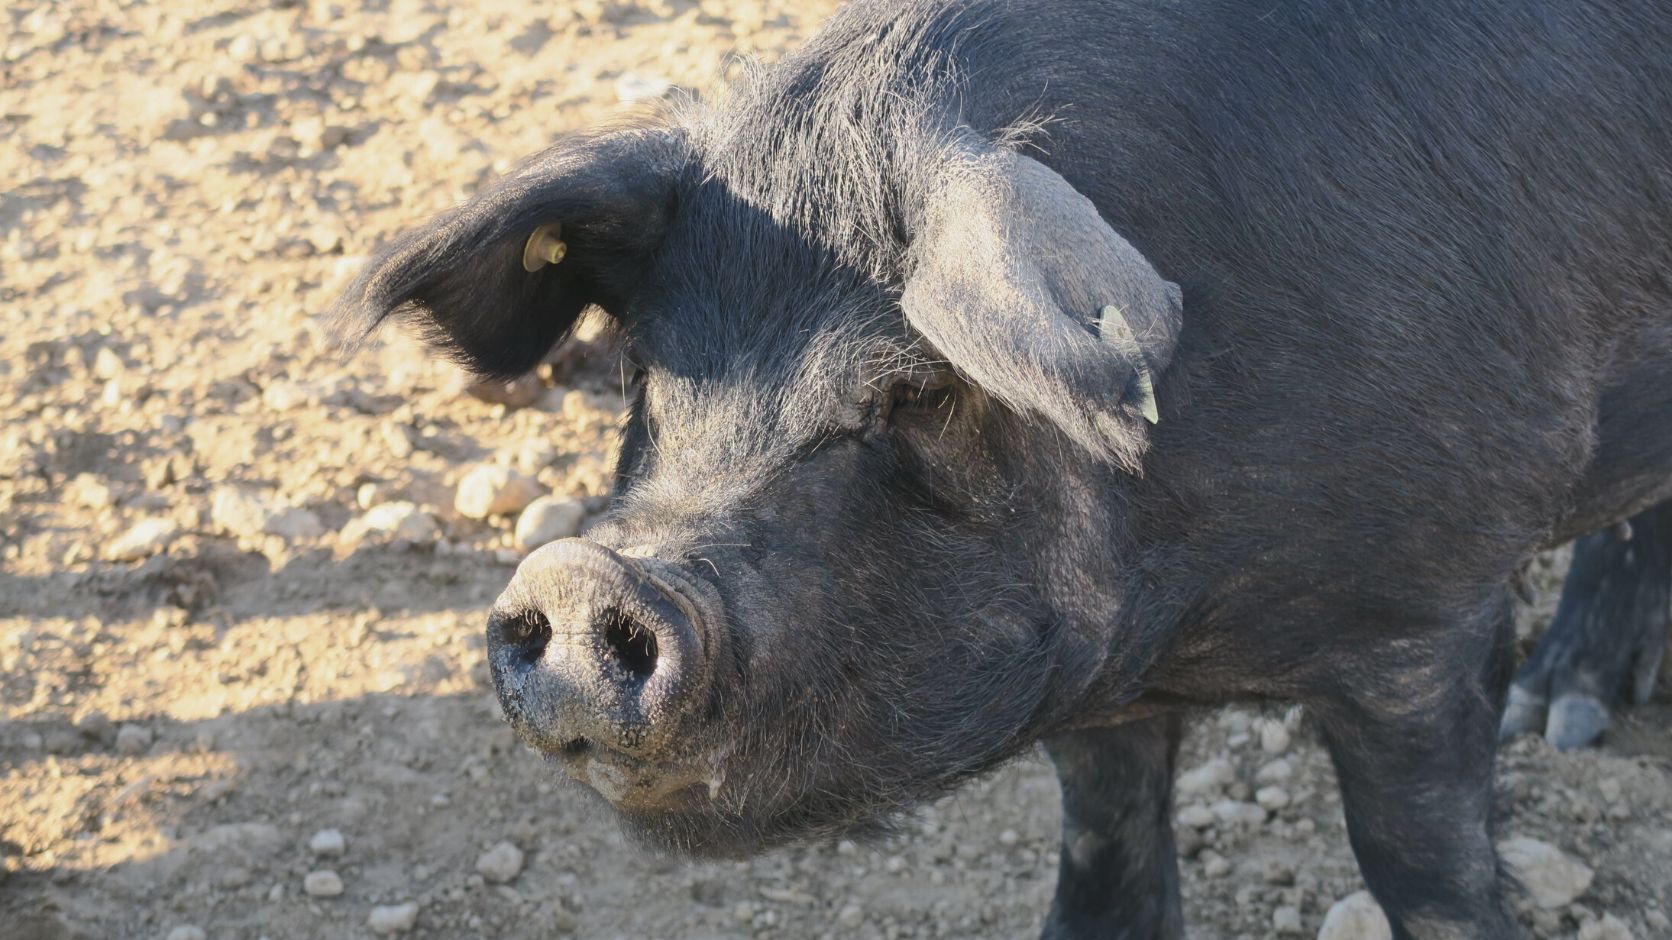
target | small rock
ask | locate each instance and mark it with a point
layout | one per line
(631, 87)
(285, 395)
(1286, 920)
(1196, 816)
(1272, 798)
(520, 392)
(1551, 877)
(851, 915)
(398, 438)
(322, 884)
(399, 522)
(1356, 917)
(1609, 928)
(393, 918)
(501, 863)
(1009, 837)
(1274, 737)
(295, 525)
(327, 842)
(143, 539)
(1276, 771)
(1215, 865)
(1235, 813)
(242, 512)
(371, 494)
(548, 519)
(494, 491)
(187, 932)
(107, 364)
(1210, 777)
(133, 739)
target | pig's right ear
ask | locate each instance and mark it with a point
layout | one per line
(497, 282)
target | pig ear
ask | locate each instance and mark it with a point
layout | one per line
(497, 282)
(1030, 295)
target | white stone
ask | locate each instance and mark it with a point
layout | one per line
(1276, 771)
(1196, 816)
(1209, 778)
(143, 539)
(1272, 798)
(1609, 928)
(187, 932)
(492, 490)
(548, 519)
(322, 884)
(327, 842)
(1215, 865)
(1286, 920)
(1274, 737)
(249, 514)
(133, 739)
(1236, 813)
(393, 918)
(396, 522)
(1356, 917)
(501, 863)
(107, 364)
(1551, 877)
(284, 395)
(631, 87)
(295, 525)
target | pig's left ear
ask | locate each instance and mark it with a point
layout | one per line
(496, 282)
(1020, 284)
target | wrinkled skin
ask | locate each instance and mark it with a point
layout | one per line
(885, 414)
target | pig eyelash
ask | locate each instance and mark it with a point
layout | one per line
(929, 396)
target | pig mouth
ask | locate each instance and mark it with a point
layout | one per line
(634, 787)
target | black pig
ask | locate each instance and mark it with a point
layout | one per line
(1013, 371)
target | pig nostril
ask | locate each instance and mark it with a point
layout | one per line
(577, 747)
(631, 645)
(529, 633)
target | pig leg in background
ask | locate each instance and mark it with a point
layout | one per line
(1119, 871)
(1607, 639)
(1413, 734)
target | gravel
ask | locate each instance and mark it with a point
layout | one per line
(392, 523)
(393, 918)
(133, 739)
(322, 884)
(1355, 917)
(548, 519)
(494, 490)
(1551, 877)
(501, 863)
(143, 539)
(328, 843)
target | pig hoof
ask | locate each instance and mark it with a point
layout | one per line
(1575, 721)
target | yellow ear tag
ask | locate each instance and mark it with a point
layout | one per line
(544, 247)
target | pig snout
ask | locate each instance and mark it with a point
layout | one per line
(598, 658)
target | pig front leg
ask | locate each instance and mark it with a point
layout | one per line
(1606, 642)
(1118, 876)
(1411, 723)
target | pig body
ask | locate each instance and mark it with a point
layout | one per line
(1022, 371)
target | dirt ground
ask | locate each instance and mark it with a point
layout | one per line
(238, 604)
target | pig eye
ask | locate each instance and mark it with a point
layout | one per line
(922, 396)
